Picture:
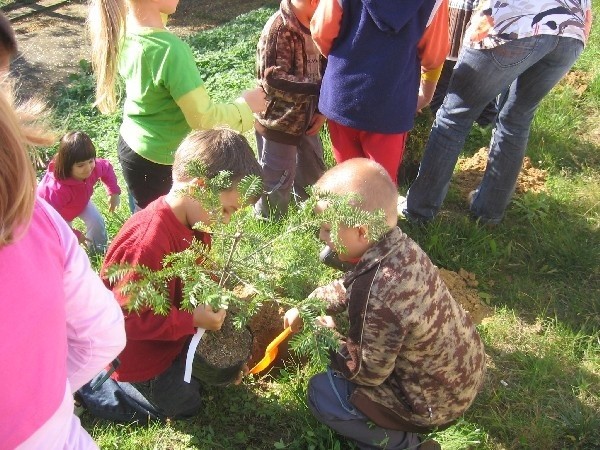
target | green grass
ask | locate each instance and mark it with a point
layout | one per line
(539, 270)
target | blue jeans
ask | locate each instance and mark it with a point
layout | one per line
(329, 401)
(487, 116)
(527, 69)
(95, 229)
(165, 396)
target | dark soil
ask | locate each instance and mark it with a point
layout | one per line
(227, 347)
(266, 325)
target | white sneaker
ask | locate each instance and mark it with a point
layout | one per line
(401, 206)
(471, 197)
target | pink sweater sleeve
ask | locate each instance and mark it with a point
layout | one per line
(325, 24)
(66, 332)
(95, 324)
(107, 174)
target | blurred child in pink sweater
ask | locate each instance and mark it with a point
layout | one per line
(69, 183)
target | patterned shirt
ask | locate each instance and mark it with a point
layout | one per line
(289, 68)
(496, 22)
(411, 348)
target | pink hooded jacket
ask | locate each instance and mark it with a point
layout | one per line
(60, 327)
(70, 197)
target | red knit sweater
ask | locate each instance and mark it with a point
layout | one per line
(153, 340)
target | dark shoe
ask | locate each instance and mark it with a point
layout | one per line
(401, 206)
(482, 221)
(413, 220)
(331, 259)
(403, 214)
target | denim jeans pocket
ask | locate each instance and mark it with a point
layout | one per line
(342, 390)
(513, 52)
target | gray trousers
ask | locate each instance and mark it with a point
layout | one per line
(328, 400)
(287, 170)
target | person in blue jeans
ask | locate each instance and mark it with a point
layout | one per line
(524, 48)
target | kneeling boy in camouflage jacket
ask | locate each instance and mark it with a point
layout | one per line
(412, 361)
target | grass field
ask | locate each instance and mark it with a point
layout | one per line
(539, 271)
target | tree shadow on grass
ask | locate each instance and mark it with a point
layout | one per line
(255, 415)
(532, 401)
(541, 261)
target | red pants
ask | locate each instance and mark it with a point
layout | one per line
(386, 149)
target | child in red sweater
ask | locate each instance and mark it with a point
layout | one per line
(149, 383)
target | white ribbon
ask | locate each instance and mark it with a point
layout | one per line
(189, 360)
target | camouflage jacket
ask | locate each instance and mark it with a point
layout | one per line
(283, 71)
(412, 350)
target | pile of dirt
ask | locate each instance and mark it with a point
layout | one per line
(462, 286)
(577, 80)
(468, 177)
(265, 326)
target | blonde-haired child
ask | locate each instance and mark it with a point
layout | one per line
(164, 94)
(60, 324)
(69, 183)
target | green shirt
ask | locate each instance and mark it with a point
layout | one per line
(158, 68)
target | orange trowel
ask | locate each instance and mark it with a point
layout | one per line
(271, 352)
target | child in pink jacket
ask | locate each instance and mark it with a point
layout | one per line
(60, 325)
(69, 182)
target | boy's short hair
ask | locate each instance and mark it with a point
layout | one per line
(219, 149)
(366, 178)
(73, 148)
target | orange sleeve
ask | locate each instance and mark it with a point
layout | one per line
(325, 24)
(435, 43)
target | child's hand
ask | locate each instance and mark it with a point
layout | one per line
(426, 91)
(292, 319)
(205, 317)
(256, 99)
(115, 199)
(326, 321)
(315, 126)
